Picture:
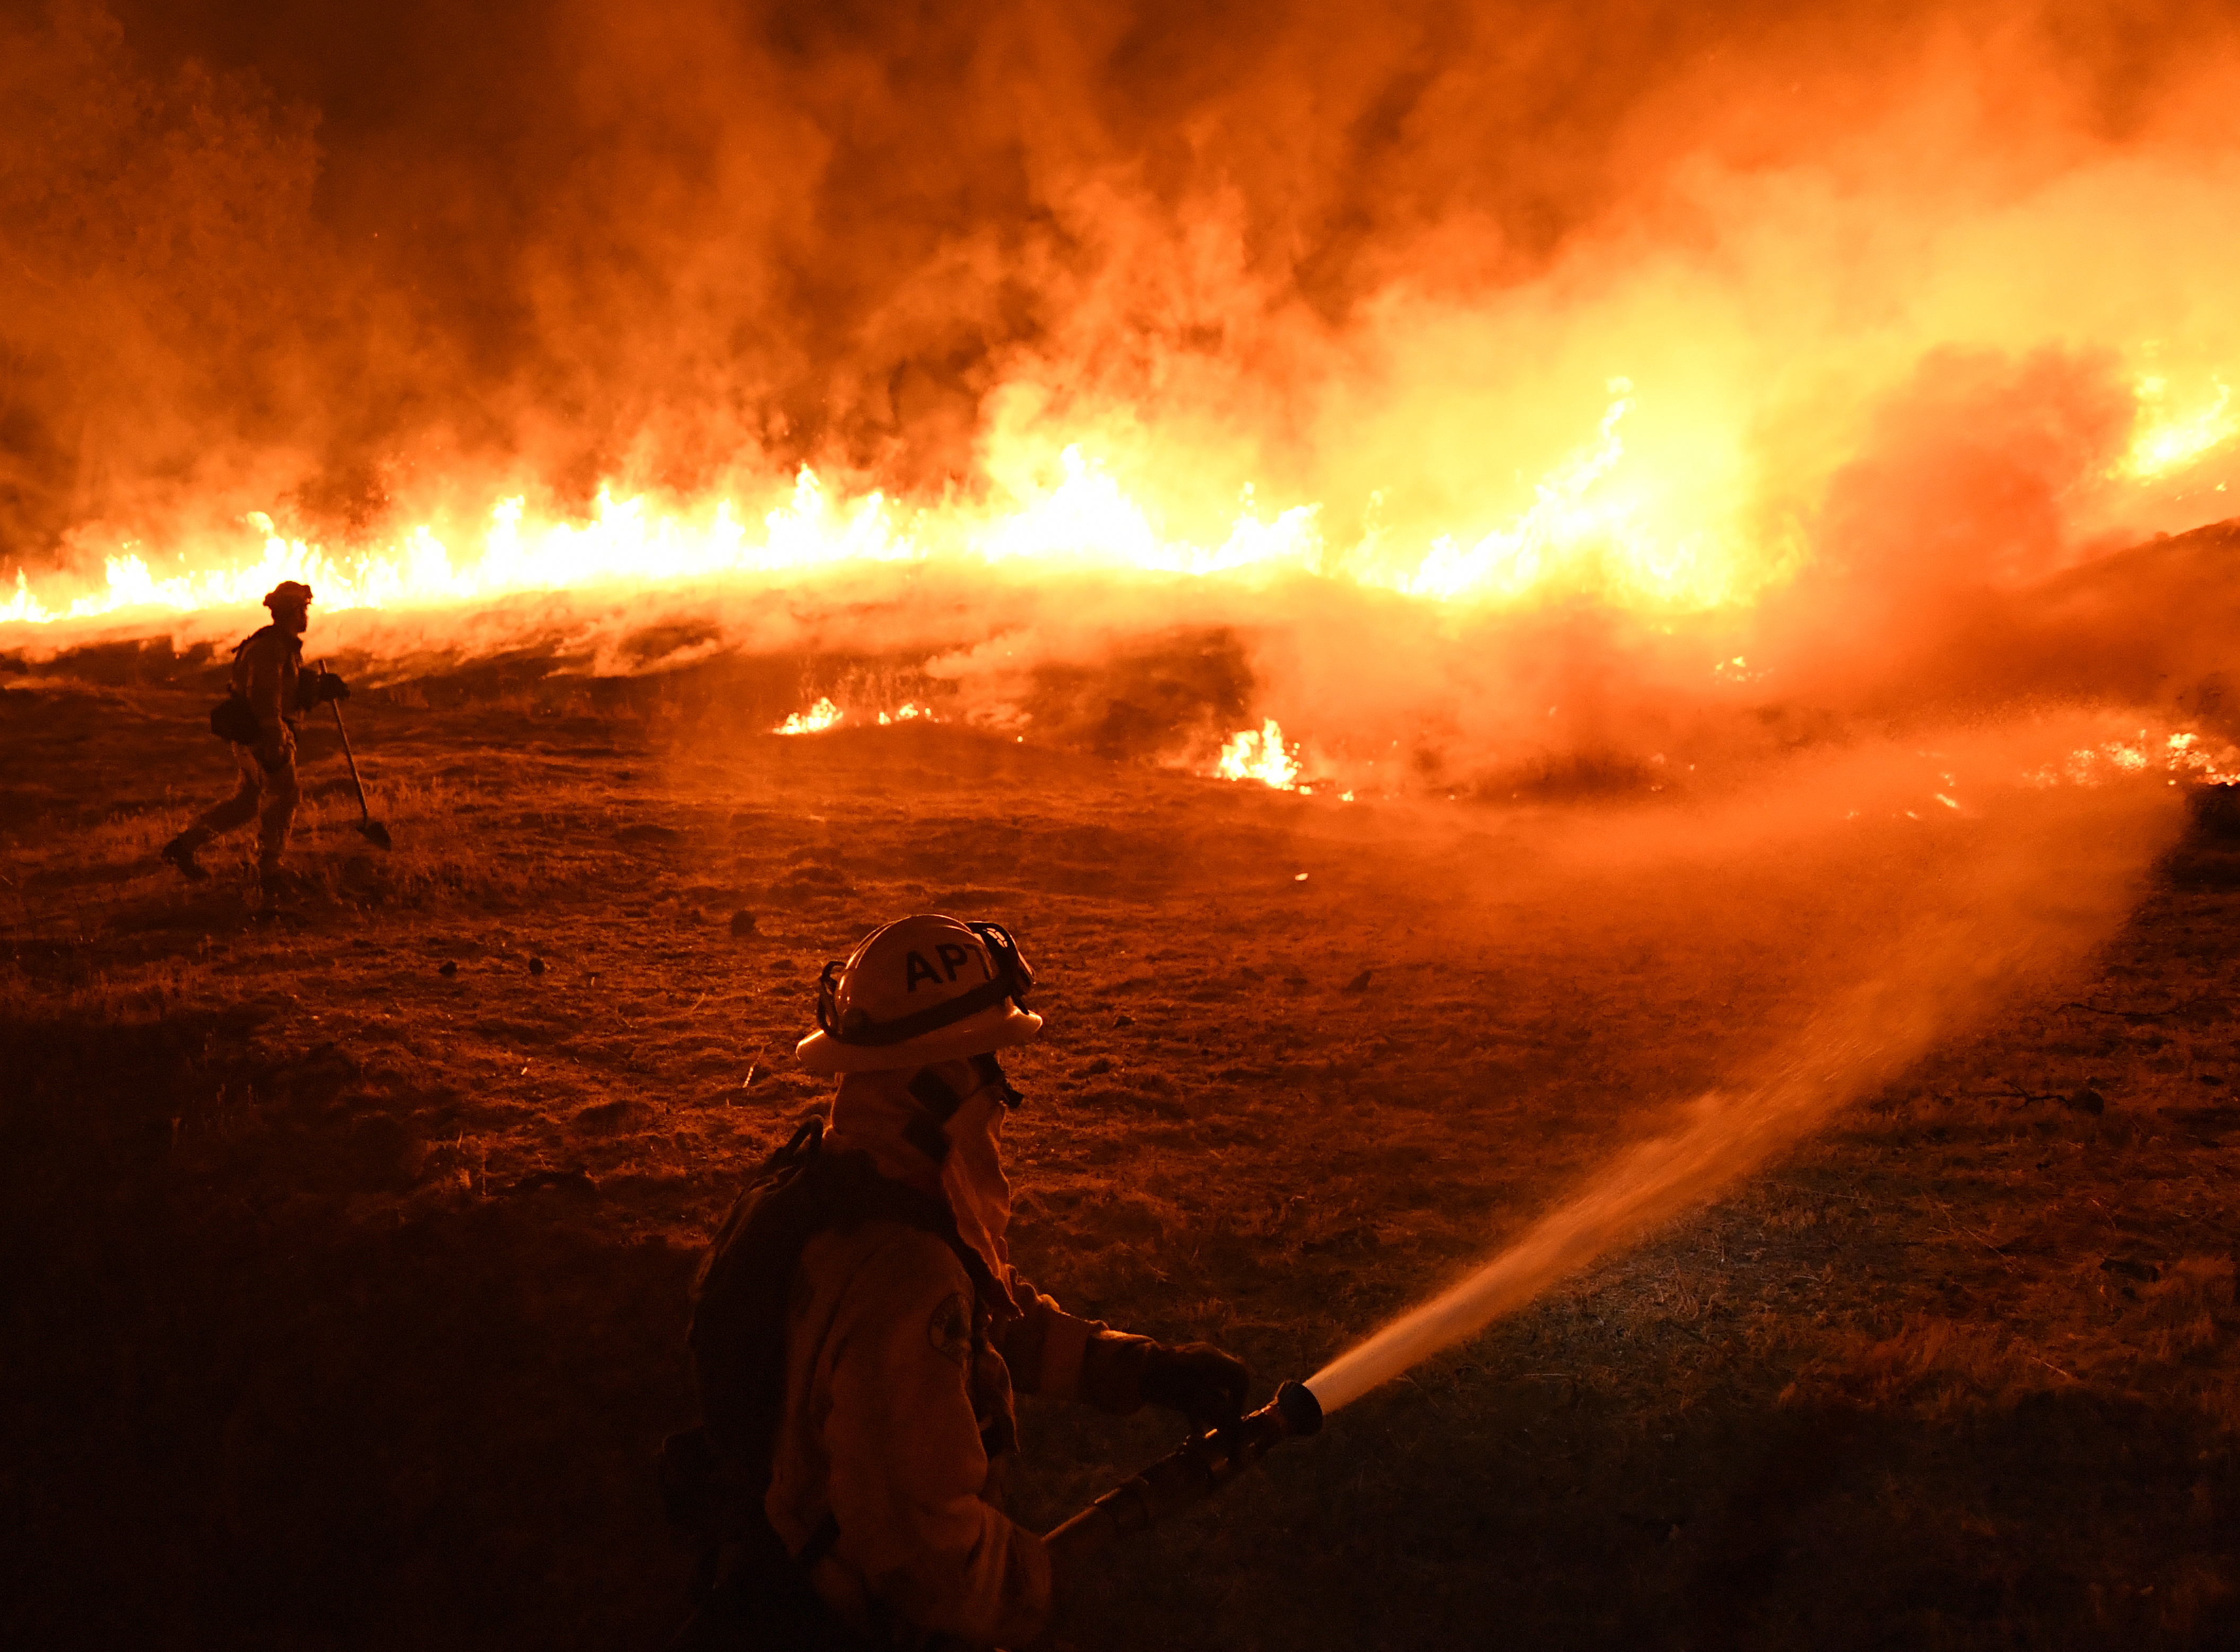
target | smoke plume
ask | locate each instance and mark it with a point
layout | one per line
(327, 256)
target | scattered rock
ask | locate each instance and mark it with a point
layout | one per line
(450, 967)
(536, 966)
(1296, 982)
(743, 922)
(1123, 1020)
(1246, 972)
(646, 832)
(1359, 983)
(2128, 1268)
(1098, 1068)
(2086, 1101)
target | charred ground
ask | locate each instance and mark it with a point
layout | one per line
(350, 1250)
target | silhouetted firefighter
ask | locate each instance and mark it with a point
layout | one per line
(270, 692)
(858, 1333)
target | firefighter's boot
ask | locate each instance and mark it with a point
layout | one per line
(180, 852)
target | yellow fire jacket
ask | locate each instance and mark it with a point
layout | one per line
(899, 1416)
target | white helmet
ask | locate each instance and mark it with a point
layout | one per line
(920, 991)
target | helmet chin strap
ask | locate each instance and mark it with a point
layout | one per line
(991, 1077)
(939, 1100)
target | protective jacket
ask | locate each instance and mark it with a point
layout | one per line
(265, 667)
(901, 1362)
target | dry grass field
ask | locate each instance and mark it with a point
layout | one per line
(348, 1250)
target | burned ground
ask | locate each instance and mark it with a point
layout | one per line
(348, 1251)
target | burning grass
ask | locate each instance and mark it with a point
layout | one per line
(358, 1241)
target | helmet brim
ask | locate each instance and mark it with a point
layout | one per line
(1003, 1026)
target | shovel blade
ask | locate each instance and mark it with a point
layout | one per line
(375, 832)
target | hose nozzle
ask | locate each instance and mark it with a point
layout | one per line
(1202, 1465)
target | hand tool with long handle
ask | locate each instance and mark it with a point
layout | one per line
(374, 830)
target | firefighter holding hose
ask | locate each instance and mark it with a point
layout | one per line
(270, 692)
(859, 1332)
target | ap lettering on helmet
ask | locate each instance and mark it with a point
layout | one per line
(953, 957)
(919, 990)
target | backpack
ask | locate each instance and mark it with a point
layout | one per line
(713, 1477)
(231, 719)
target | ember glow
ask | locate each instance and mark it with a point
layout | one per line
(819, 717)
(1259, 753)
(825, 714)
(2184, 756)
(2168, 440)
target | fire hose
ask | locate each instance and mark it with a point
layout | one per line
(1204, 1465)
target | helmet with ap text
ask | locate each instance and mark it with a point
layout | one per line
(919, 990)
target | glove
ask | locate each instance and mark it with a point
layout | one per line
(316, 688)
(1198, 1380)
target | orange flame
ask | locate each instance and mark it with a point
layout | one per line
(1606, 521)
(819, 717)
(1581, 527)
(1260, 754)
(827, 714)
(2165, 441)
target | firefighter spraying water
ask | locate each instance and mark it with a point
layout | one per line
(858, 1333)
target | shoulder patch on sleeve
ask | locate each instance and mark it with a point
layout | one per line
(950, 1330)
